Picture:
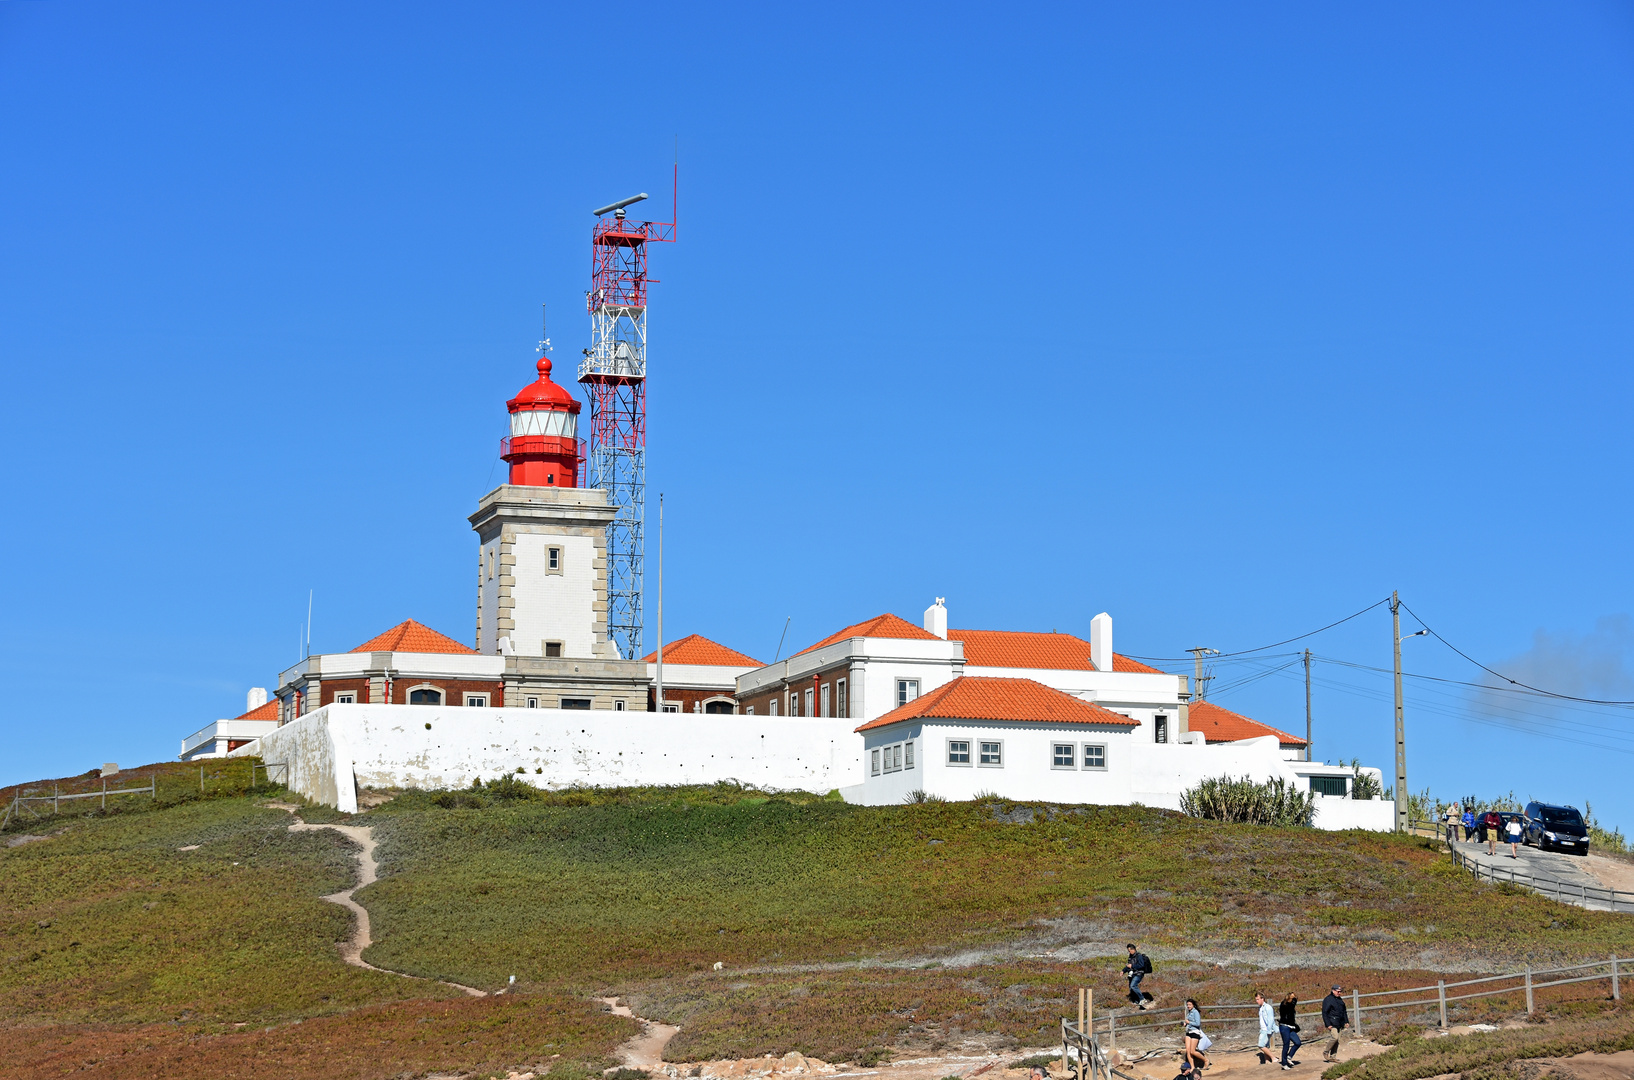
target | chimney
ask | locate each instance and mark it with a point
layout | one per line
(256, 698)
(936, 618)
(1100, 642)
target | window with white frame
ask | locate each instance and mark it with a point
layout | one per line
(618, 704)
(532, 703)
(992, 754)
(906, 690)
(958, 751)
(348, 697)
(1064, 755)
(1160, 728)
(809, 711)
(841, 702)
(823, 706)
(672, 706)
(553, 558)
(771, 707)
(907, 755)
(479, 701)
(1094, 756)
(874, 767)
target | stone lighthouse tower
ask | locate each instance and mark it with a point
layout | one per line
(542, 565)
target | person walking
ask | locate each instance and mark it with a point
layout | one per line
(1491, 825)
(1335, 1017)
(1138, 967)
(1288, 1025)
(1513, 829)
(1451, 821)
(1197, 1043)
(1268, 1028)
(1469, 824)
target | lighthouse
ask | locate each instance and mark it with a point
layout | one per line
(543, 448)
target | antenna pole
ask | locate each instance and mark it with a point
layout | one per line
(309, 622)
(1307, 704)
(660, 604)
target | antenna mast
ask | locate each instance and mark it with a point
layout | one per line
(614, 376)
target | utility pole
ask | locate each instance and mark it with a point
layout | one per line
(1199, 683)
(1307, 704)
(1401, 734)
(660, 694)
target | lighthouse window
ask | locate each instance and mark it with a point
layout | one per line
(555, 556)
(553, 648)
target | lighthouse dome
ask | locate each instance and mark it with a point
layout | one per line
(542, 393)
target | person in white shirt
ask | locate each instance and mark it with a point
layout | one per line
(1268, 1028)
(1513, 831)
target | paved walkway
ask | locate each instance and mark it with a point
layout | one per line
(1546, 866)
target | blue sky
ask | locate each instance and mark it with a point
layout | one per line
(1225, 320)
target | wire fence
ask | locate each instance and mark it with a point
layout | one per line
(1086, 1044)
(26, 803)
(1567, 892)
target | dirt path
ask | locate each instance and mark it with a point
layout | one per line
(352, 950)
(646, 1050)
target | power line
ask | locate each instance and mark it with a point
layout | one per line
(1273, 645)
(1506, 678)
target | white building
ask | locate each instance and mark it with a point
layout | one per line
(219, 738)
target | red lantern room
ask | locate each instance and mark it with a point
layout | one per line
(543, 448)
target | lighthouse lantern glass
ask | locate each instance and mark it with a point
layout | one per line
(557, 422)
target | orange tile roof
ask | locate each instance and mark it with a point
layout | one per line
(697, 649)
(1029, 649)
(269, 711)
(1223, 725)
(974, 697)
(887, 626)
(410, 636)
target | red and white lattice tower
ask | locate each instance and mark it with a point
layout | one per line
(614, 377)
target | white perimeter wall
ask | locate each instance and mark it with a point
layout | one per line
(554, 606)
(383, 746)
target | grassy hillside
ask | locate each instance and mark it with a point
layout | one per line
(839, 928)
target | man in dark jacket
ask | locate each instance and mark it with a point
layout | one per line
(1335, 1018)
(1135, 970)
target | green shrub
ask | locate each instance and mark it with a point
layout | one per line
(871, 1057)
(1274, 802)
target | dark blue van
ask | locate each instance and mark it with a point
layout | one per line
(1561, 827)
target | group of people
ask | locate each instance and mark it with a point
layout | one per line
(1491, 825)
(1280, 1020)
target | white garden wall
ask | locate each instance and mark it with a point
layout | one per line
(383, 746)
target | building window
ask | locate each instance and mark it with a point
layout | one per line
(671, 706)
(750, 711)
(533, 703)
(1064, 756)
(841, 702)
(554, 558)
(809, 711)
(618, 704)
(874, 758)
(906, 690)
(348, 698)
(1160, 728)
(718, 707)
(958, 751)
(479, 701)
(992, 755)
(907, 755)
(575, 703)
(1094, 756)
(823, 709)
(1328, 785)
(771, 707)
(425, 695)
(553, 650)
(794, 703)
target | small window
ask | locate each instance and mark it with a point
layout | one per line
(1064, 756)
(490, 564)
(1328, 785)
(808, 711)
(1094, 756)
(907, 755)
(771, 707)
(618, 704)
(1160, 728)
(992, 755)
(533, 703)
(906, 690)
(823, 707)
(479, 701)
(348, 698)
(425, 695)
(671, 706)
(575, 703)
(841, 702)
(874, 758)
(896, 759)
(958, 751)
(553, 650)
(555, 558)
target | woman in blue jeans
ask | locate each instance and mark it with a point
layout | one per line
(1288, 1025)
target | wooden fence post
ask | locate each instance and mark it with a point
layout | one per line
(1356, 1007)
(1528, 989)
(1066, 1066)
(1616, 986)
(1441, 993)
(1112, 1029)
(104, 793)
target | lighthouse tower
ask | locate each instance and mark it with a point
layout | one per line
(543, 448)
(542, 565)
